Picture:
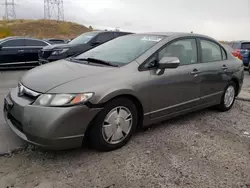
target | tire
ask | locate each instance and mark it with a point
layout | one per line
(226, 107)
(102, 126)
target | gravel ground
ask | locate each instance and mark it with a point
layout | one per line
(201, 149)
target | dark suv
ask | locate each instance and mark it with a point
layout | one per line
(242, 51)
(78, 45)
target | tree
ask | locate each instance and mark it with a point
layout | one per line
(90, 27)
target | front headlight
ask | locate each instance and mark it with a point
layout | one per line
(62, 99)
(58, 52)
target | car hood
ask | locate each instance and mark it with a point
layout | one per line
(63, 46)
(48, 76)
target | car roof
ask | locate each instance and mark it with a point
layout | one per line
(17, 37)
(111, 32)
(243, 41)
(168, 34)
(53, 39)
(240, 41)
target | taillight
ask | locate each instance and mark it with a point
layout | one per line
(237, 53)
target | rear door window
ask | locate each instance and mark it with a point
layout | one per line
(14, 43)
(210, 51)
(245, 45)
(35, 43)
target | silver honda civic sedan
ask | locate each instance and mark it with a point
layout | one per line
(107, 92)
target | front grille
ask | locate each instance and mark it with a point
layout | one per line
(44, 54)
(15, 122)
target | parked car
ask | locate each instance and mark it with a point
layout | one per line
(76, 46)
(242, 51)
(56, 41)
(20, 52)
(107, 92)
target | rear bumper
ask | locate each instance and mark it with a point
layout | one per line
(48, 127)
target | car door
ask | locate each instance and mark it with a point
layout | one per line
(11, 52)
(214, 71)
(33, 46)
(175, 90)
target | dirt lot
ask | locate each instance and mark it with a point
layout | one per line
(202, 149)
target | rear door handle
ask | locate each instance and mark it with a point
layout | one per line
(20, 51)
(224, 67)
(195, 72)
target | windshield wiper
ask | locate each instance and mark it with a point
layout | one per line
(96, 61)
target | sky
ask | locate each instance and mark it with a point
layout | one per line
(220, 19)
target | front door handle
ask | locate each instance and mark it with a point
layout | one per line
(195, 72)
(224, 67)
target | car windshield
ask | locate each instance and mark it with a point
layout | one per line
(84, 38)
(122, 50)
(245, 45)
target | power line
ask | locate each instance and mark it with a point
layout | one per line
(53, 9)
(10, 12)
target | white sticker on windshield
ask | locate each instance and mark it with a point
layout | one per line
(152, 38)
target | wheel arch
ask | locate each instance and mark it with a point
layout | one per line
(125, 93)
(131, 97)
(236, 81)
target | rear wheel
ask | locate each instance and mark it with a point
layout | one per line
(228, 97)
(114, 125)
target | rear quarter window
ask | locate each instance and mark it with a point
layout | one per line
(245, 45)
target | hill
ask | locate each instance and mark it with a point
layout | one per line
(41, 28)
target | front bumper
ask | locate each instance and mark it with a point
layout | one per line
(48, 127)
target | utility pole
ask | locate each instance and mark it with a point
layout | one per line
(10, 12)
(53, 10)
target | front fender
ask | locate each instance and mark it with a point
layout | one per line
(98, 99)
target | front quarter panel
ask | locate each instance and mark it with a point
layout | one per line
(126, 80)
(132, 83)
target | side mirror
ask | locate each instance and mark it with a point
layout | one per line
(169, 63)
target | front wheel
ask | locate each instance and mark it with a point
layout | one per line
(113, 126)
(228, 97)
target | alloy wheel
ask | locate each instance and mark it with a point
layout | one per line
(229, 96)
